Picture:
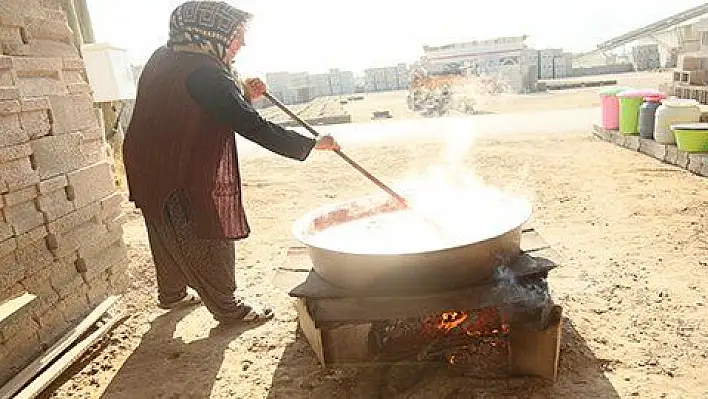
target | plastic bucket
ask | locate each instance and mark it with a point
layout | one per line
(610, 107)
(691, 137)
(630, 103)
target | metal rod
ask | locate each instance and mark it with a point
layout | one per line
(346, 158)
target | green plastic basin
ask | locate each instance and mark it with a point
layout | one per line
(691, 137)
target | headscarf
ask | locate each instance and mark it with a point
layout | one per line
(205, 27)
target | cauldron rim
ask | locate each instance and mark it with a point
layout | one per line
(301, 225)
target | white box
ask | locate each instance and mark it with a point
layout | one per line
(109, 72)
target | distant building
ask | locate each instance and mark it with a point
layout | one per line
(300, 87)
(507, 57)
(387, 78)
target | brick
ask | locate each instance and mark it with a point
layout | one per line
(11, 132)
(116, 224)
(652, 148)
(72, 113)
(35, 104)
(100, 241)
(23, 217)
(14, 152)
(7, 80)
(20, 324)
(83, 236)
(92, 183)
(10, 272)
(59, 155)
(119, 280)
(682, 159)
(51, 29)
(671, 154)
(35, 123)
(38, 66)
(116, 254)
(55, 205)
(79, 88)
(14, 291)
(10, 107)
(9, 93)
(39, 284)
(75, 306)
(64, 275)
(18, 352)
(20, 196)
(32, 236)
(696, 162)
(52, 325)
(53, 184)
(99, 288)
(632, 143)
(112, 205)
(52, 4)
(5, 234)
(73, 64)
(17, 174)
(34, 257)
(75, 219)
(5, 62)
(50, 48)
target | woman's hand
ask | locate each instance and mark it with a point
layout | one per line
(326, 143)
(255, 88)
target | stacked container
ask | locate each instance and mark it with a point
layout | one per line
(647, 116)
(610, 107)
(630, 101)
(671, 112)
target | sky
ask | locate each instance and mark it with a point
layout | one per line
(315, 35)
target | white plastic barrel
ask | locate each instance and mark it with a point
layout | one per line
(673, 111)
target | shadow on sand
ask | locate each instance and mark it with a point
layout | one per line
(299, 376)
(167, 366)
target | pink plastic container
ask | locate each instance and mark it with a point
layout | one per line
(610, 108)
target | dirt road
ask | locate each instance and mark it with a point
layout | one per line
(634, 286)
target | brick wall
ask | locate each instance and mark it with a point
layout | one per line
(60, 214)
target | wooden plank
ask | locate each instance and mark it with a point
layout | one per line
(55, 350)
(347, 344)
(11, 308)
(536, 352)
(312, 333)
(37, 386)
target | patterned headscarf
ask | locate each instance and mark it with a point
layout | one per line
(206, 27)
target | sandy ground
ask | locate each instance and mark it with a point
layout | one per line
(633, 286)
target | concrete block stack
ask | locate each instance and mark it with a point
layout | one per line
(60, 214)
(690, 78)
(646, 57)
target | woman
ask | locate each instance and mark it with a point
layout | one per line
(181, 159)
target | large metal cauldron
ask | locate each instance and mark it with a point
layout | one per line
(432, 270)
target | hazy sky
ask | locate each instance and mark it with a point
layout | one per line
(314, 35)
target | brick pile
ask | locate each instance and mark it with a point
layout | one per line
(60, 213)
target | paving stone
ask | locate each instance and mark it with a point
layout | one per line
(59, 155)
(91, 184)
(20, 196)
(39, 284)
(55, 205)
(671, 154)
(53, 184)
(17, 174)
(696, 162)
(72, 113)
(15, 152)
(632, 143)
(652, 148)
(23, 217)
